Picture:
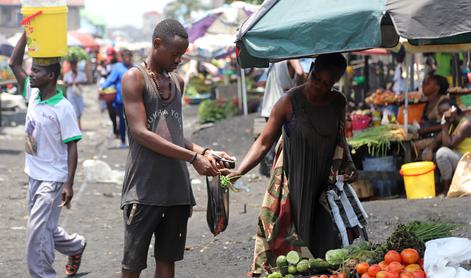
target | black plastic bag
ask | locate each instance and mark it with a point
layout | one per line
(217, 212)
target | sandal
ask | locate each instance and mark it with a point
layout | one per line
(73, 263)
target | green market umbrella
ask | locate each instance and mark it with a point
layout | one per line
(283, 29)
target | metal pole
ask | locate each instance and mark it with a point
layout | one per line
(244, 91)
(366, 73)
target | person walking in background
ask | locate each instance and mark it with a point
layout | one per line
(110, 61)
(157, 198)
(73, 80)
(282, 76)
(114, 79)
(52, 133)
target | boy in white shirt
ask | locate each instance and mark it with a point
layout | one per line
(50, 162)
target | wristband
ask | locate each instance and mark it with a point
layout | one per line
(205, 150)
(194, 158)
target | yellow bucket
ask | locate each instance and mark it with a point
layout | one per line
(46, 30)
(419, 179)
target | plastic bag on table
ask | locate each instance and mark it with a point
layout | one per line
(217, 213)
(443, 257)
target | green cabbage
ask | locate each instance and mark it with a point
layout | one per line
(336, 256)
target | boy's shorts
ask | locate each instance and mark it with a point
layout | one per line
(168, 224)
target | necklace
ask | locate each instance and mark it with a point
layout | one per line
(153, 75)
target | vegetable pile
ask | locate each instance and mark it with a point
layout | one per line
(400, 256)
(293, 264)
(377, 139)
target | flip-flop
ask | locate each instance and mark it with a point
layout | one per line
(73, 263)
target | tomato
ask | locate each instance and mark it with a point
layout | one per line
(342, 275)
(412, 268)
(392, 256)
(421, 263)
(362, 267)
(410, 256)
(315, 276)
(324, 276)
(419, 274)
(383, 265)
(406, 275)
(335, 276)
(373, 269)
(395, 267)
(392, 275)
(365, 275)
(381, 274)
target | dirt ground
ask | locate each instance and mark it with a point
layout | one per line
(95, 209)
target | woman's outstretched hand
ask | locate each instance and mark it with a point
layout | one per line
(232, 175)
(350, 173)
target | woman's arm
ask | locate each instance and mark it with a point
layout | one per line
(461, 133)
(272, 131)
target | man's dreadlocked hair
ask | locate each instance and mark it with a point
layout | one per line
(167, 29)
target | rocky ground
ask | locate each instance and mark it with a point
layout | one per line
(95, 209)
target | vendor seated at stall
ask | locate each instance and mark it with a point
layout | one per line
(434, 88)
(455, 141)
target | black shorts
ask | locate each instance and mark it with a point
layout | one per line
(168, 224)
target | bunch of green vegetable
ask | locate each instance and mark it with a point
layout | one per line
(76, 54)
(376, 139)
(403, 238)
(226, 182)
(429, 230)
(210, 111)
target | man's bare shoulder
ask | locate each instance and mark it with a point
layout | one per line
(133, 81)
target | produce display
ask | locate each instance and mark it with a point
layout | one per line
(377, 139)
(401, 256)
(459, 90)
(385, 97)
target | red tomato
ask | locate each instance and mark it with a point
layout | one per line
(365, 275)
(383, 265)
(342, 275)
(392, 256)
(335, 276)
(373, 269)
(392, 275)
(362, 267)
(381, 274)
(406, 275)
(421, 263)
(419, 274)
(412, 268)
(409, 256)
(395, 267)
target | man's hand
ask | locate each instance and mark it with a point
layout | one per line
(67, 195)
(204, 166)
(213, 155)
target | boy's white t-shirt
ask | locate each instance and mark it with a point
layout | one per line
(49, 126)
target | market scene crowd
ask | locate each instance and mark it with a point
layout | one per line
(236, 139)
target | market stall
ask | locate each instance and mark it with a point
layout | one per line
(212, 37)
